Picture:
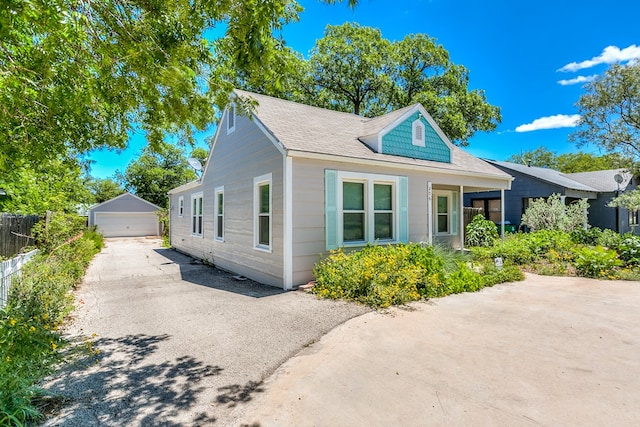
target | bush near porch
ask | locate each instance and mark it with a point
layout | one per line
(381, 276)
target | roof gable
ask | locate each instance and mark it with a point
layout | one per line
(399, 138)
(551, 176)
(131, 201)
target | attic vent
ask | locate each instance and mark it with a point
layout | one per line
(417, 128)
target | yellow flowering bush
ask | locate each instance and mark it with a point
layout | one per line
(379, 275)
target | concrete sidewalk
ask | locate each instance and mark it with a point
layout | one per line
(547, 351)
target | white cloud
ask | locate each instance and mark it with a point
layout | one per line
(551, 122)
(610, 55)
(577, 80)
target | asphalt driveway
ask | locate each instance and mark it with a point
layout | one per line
(180, 343)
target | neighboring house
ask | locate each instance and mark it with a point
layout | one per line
(293, 181)
(126, 215)
(532, 182)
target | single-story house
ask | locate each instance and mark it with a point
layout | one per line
(126, 215)
(291, 182)
(531, 182)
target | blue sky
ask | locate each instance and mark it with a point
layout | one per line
(530, 58)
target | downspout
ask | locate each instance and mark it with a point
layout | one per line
(287, 249)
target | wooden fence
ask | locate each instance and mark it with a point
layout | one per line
(469, 213)
(14, 233)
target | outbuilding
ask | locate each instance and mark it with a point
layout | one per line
(126, 215)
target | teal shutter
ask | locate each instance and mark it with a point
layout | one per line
(331, 209)
(454, 213)
(403, 214)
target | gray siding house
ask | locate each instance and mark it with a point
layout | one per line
(532, 182)
(292, 182)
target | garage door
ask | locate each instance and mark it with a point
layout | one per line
(127, 224)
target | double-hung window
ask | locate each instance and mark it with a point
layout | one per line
(364, 208)
(219, 216)
(196, 214)
(262, 212)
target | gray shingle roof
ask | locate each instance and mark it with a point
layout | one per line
(304, 128)
(549, 175)
(603, 181)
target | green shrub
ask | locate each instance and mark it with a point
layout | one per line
(481, 232)
(588, 237)
(38, 303)
(629, 249)
(57, 229)
(596, 262)
(492, 275)
(553, 214)
(609, 239)
(463, 280)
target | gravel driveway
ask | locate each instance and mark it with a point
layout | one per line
(181, 343)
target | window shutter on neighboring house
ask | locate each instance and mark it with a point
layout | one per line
(403, 215)
(331, 208)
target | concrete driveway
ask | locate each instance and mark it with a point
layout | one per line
(548, 351)
(181, 343)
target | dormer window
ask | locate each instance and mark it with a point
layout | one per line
(417, 131)
(231, 118)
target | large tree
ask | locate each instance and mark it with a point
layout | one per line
(610, 111)
(104, 189)
(353, 68)
(155, 172)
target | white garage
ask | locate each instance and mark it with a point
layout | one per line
(125, 216)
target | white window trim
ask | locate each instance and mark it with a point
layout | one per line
(257, 182)
(194, 214)
(369, 213)
(450, 207)
(217, 192)
(180, 206)
(231, 112)
(416, 141)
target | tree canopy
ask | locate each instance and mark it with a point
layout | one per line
(571, 162)
(355, 69)
(155, 172)
(104, 189)
(610, 111)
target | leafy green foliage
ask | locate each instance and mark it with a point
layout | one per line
(57, 229)
(596, 262)
(629, 249)
(355, 69)
(571, 162)
(610, 111)
(481, 232)
(38, 303)
(553, 214)
(155, 172)
(628, 200)
(590, 236)
(104, 189)
(381, 276)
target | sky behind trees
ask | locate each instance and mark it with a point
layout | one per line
(531, 59)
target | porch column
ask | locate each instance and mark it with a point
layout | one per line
(461, 217)
(429, 213)
(502, 214)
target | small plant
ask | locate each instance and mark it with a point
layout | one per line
(588, 237)
(609, 239)
(596, 262)
(481, 232)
